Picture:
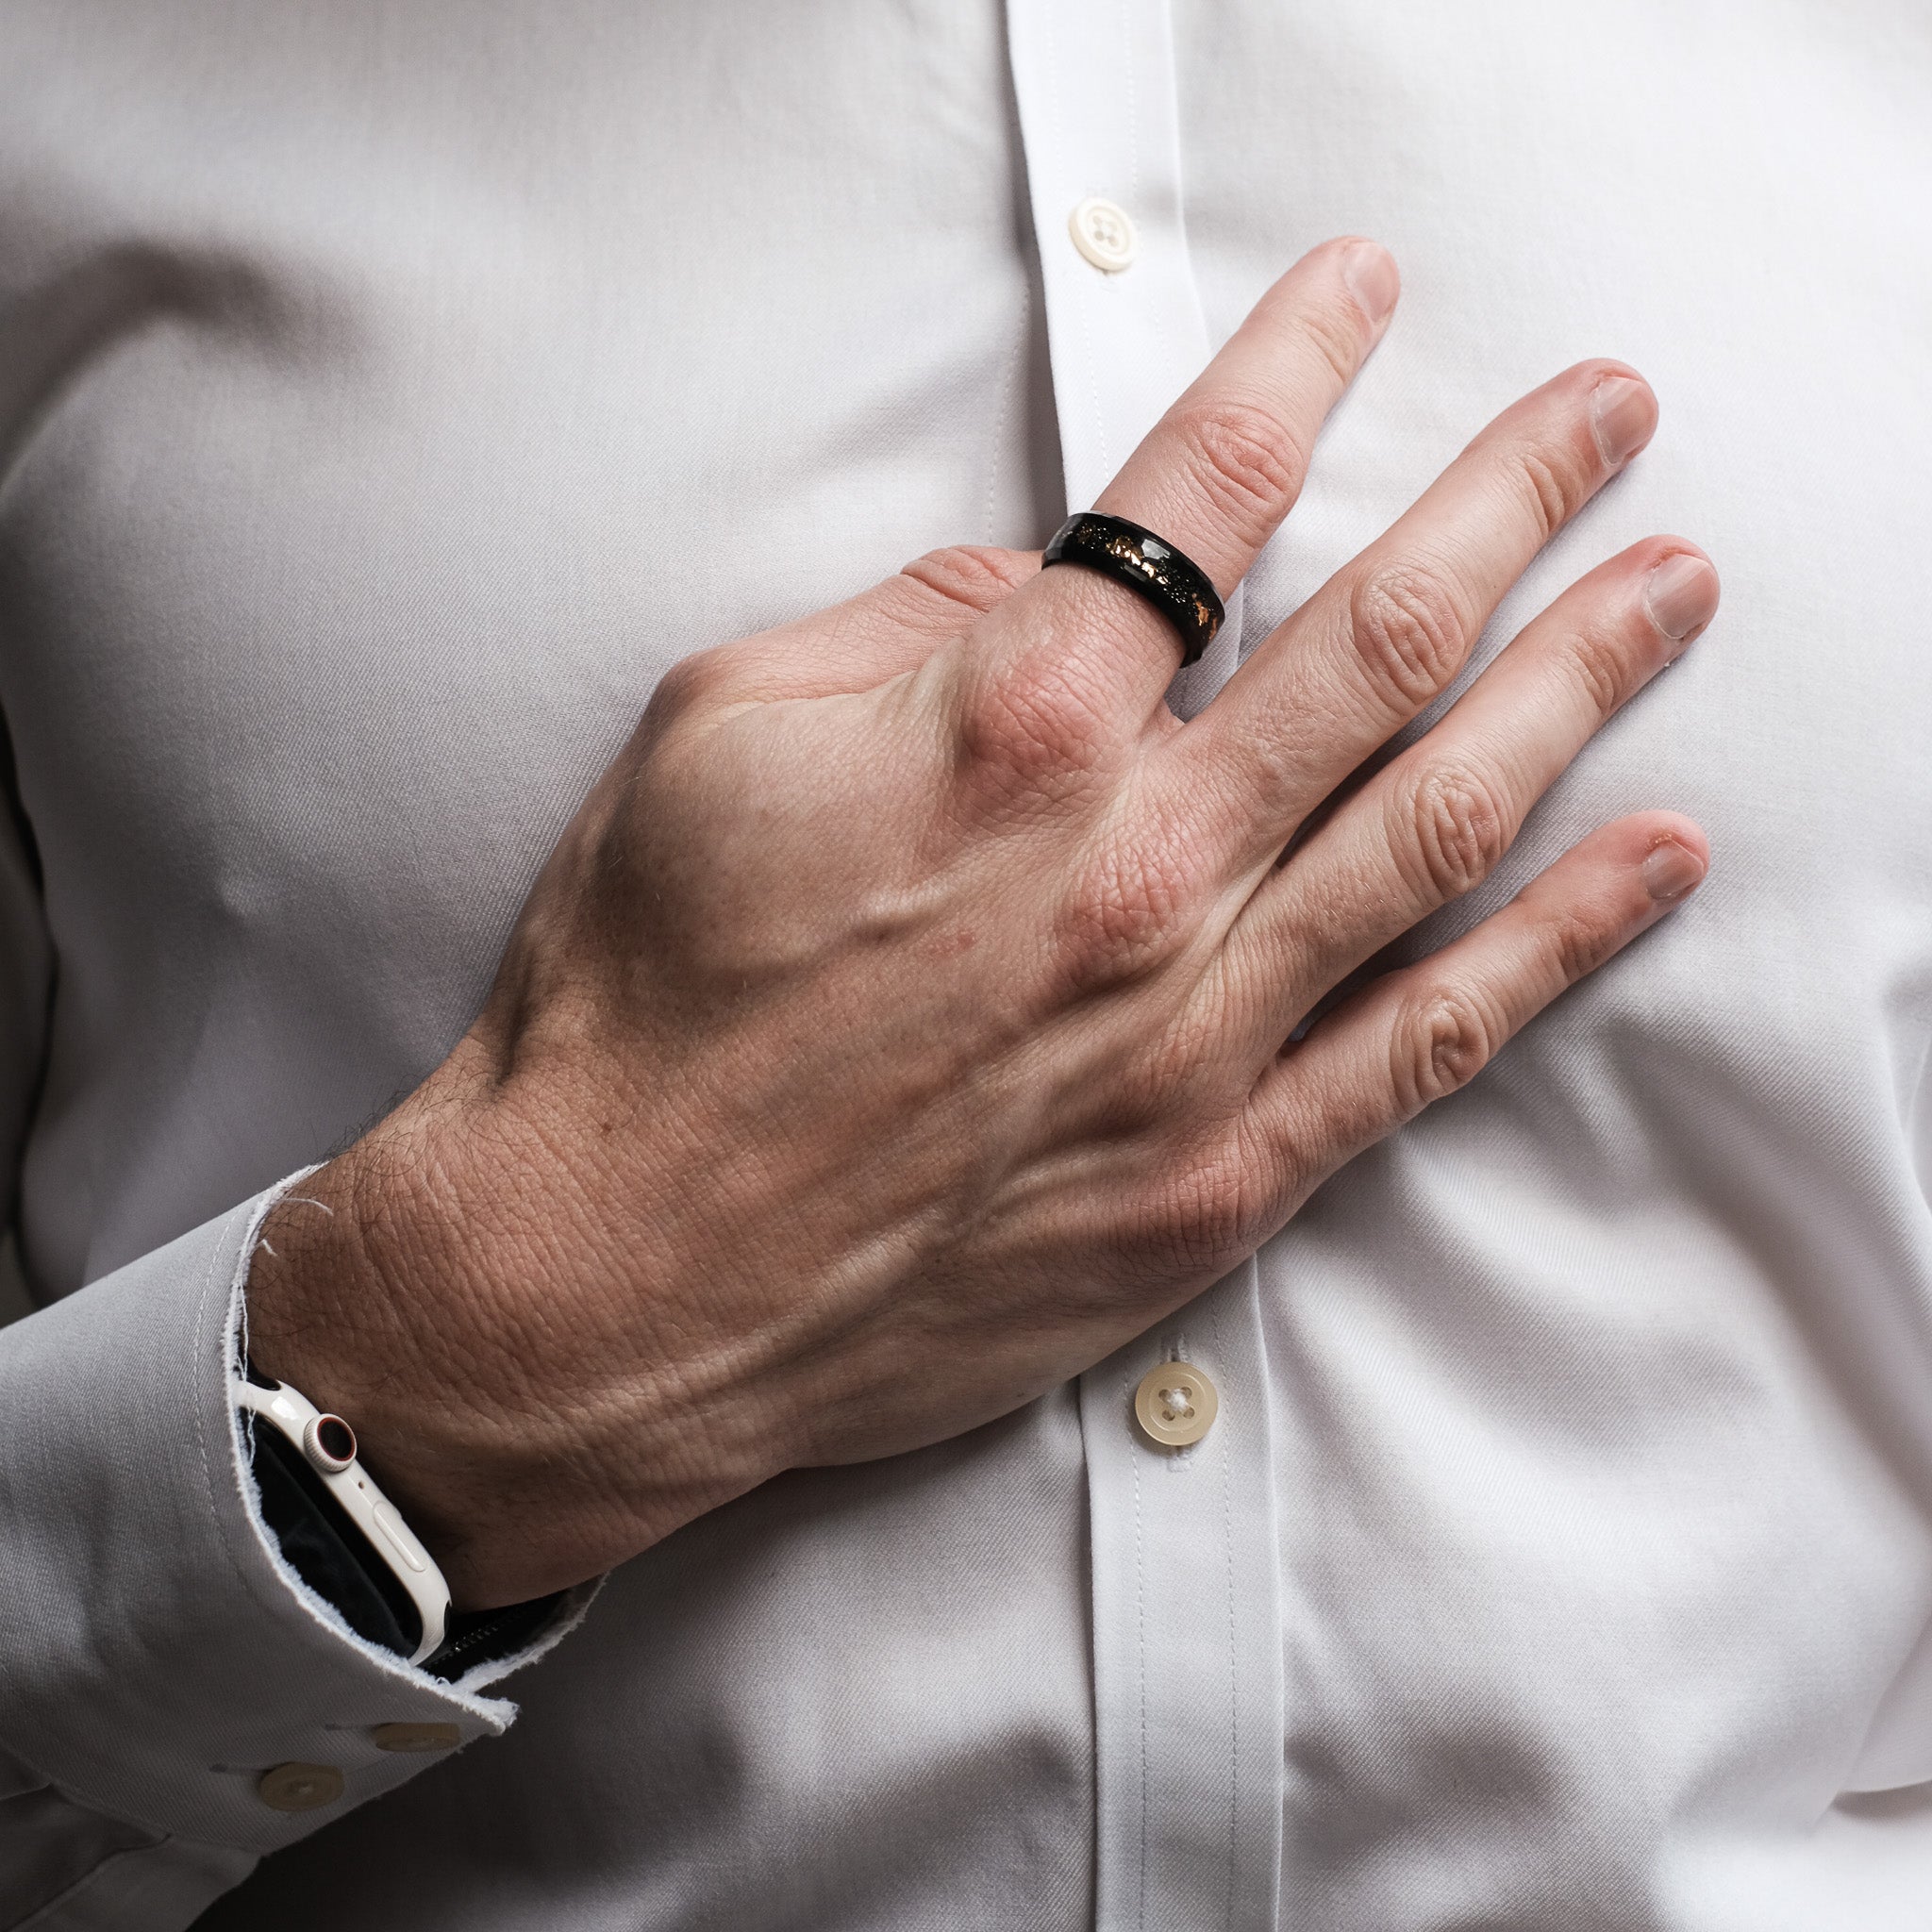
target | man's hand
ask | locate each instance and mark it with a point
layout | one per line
(903, 1020)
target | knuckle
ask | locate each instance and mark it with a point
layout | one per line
(1453, 828)
(1207, 1216)
(1409, 632)
(1336, 330)
(1577, 946)
(1129, 909)
(1159, 1084)
(1554, 484)
(1028, 726)
(1244, 457)
(1272, 766)
(1602, 661)
(685, 688)
(1443, 1040)
(975, 577)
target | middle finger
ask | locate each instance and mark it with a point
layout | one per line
(1388, 632)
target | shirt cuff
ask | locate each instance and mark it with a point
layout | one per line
(160, 1662)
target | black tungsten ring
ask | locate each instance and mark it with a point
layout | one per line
(1150, 566)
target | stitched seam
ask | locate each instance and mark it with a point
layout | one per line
(207, 1474)
(1184, 266)
(41, 1915)
(1008, 391)
(1233, 1703)
(1101, 449)
(1080, 290)
(1140, 1672)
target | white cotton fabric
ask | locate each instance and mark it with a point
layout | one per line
(388, 397)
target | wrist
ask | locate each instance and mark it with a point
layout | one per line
(409, 1285)
(325, 1317)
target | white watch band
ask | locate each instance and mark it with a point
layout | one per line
(328, 1444)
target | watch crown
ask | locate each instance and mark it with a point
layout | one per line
(329, 1443)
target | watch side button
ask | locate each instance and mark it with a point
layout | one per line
(388, 1520)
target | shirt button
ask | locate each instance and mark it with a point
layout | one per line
(1103, 232)
(416, 1737)
(299, 1787)
(1175, 1405)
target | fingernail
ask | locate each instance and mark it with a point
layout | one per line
(1369, 270)
(1670, 869)
(1681, 595)
(1621, 416)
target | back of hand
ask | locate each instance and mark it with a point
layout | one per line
(914, 1010)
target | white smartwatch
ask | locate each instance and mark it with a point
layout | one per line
(328, 1444)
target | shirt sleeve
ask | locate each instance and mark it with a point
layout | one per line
(174, 1702)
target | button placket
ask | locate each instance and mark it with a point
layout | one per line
(1188, 1785)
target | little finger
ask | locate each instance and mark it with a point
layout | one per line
(1417, 1035)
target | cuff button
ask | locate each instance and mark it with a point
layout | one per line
(299, 1787)
(416, 1737)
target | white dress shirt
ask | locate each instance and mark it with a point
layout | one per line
(389, 393)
